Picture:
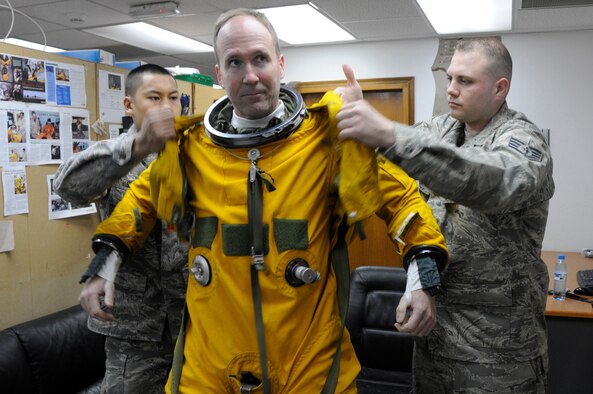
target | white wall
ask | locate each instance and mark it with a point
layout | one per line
(552, 84)
(409, 58)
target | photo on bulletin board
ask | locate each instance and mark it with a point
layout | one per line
(33, 80)
(11, 78)
(114, 81)
(6, 68)
(62, 74)
(79, 146)
(17, 133)
(80, 128)
(50, 126)
(6, 91)
(17, 155)
(56, 152)
(34, 124)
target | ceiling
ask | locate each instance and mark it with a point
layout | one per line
(368, 21)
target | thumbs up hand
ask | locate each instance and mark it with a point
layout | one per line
(352, 91)
(357, 119)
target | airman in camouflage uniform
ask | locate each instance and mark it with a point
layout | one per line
(150, 285)
(487, 174)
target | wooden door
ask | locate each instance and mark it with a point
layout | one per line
(394, 98)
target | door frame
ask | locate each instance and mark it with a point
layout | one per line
(405, 85)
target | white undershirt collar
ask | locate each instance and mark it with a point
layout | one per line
(240, 123)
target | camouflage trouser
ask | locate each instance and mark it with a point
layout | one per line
(137, 367)
(434, 374)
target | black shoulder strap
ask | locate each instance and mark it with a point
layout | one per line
(341, 265)
(178, 355)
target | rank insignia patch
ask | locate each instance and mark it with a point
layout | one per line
(527, 151)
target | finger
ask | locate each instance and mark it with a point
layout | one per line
(401, 313)
(405, 326)
(91, 303)
(84, 303)
(166, 113)
(92, 306)
(103, 315)
(344, 124)
(109, 290)
(425, 324)
(427, 327)
(349, 74)
(103, 312)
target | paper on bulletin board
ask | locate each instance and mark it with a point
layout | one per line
(14, 182)
(111, 96)
(38, 134)
(65, 84)
(114, 130)
(6, 236)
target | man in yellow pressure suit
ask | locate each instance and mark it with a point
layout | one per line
(268, 197)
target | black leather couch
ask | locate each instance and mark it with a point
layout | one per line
(53, 354)
(384, 353)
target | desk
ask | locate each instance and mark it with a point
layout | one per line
(570, 332)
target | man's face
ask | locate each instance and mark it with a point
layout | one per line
(473, 94)
(156, 90)
(249, 68)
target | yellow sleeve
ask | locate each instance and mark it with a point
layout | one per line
(133, 218)
(410, 222)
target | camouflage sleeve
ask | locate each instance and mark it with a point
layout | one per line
(86, 176)
(498, 176)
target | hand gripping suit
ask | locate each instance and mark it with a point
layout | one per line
(300, 210)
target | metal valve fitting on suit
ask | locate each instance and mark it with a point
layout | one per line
(299, 273)
(201, 270)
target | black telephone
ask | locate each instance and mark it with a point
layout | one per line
(585, 281)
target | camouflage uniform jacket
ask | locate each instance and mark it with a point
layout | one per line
(490, 195)
(150, 285)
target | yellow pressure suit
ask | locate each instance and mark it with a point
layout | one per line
(302, 324)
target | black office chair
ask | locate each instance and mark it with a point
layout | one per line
(384, 353)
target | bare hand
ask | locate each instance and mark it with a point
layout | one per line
(352, 91)
(89, 298)
(358, 120)
(423, 317)
(158, 126)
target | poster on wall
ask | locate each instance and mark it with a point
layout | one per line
(111, 96)
(35, 134)
(11, 78)
(32, 80)
(14, 183)
(22, 79)
(58, 208)
(13, 134)
(77, 135)
(45, 146)
(65, 85)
